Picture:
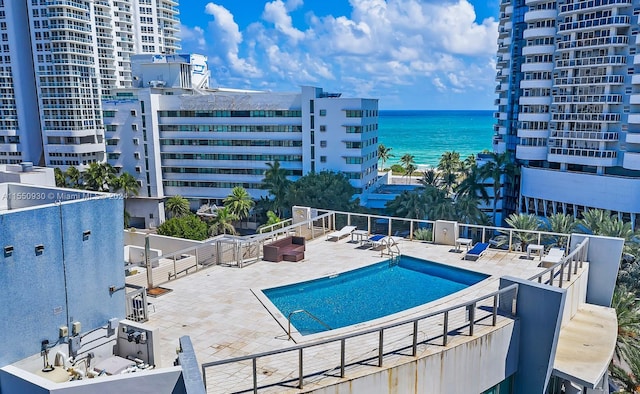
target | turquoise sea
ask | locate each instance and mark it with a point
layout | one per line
(427, 134)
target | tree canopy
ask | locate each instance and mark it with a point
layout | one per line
(326, 189)
(188, 226)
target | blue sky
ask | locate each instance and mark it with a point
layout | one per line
(410, 54)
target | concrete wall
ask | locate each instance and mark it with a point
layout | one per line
(539, 311)
(69, 281)
(159, 381)
(604, 261)
(161, 242)
(150, 210)
(576, 294)
(445, 232)
(487, 356)
(612, 193)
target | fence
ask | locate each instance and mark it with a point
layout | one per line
(236, 251)
(567, 266)
(453, 319)
(136, 306)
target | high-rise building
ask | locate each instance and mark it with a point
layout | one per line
(58, 59)
(178, 137)
(569, 105)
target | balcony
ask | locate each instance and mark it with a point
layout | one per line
(612, 21)
(633, 138)
(534, 100)
(634, 118)
(536, 83)
(593, 61)
(538, 49)
(534, 117)
(613, 118)
(539, 32)
(536, 15)
(631, 160)
(548, 66)
(524, 152)
(533, 133)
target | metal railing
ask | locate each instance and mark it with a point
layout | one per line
(567, 266)
(506, 306)
(136, 307)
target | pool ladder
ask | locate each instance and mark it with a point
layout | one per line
(310, 315)
(388, 245)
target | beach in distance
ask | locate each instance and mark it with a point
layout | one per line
(427, 134)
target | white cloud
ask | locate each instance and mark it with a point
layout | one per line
(195, 35)
(226, 35)
(276, 12)
(455, 25)
(377, 48)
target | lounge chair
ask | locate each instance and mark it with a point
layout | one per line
(379, 240)
(343, 232)
(554, 256)
(477, 251)
(375, 240)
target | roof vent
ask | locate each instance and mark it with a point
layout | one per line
(27, 166)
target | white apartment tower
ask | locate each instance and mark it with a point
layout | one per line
(179, 137)
(58, 59)
(569, 105)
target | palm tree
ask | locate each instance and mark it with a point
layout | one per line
(275, 180)
(222, 222)
(472, 186)
(384, 154)
(128, 186)
(430, 178)
(409, 204)
(521, 221)
(408, 164)
(628, 378)
(438, 204)
(99, 177)
(499, 169)
(74, 177)
(239, 202)
(449, 166)
(467, 164)
(177, 206)
(61, 179)
(467, 211)
(560, 223)
(627, 307)
(592, 219)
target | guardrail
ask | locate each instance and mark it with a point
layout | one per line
(567, 265)
(468, 309)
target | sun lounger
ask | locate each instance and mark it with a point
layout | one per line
(343, 232)
(375, 240)
(477, 251)
(554, 256)
(379, 240)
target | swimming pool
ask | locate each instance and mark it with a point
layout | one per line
(368, 293)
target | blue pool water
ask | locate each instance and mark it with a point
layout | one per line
(368, 293)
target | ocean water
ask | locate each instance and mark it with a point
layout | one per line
(427, 134)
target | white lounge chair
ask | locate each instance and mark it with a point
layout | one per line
(343, 232)
(554, 256)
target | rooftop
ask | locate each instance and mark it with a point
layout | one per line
(218, 308)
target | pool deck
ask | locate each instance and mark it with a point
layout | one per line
(218, 310)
